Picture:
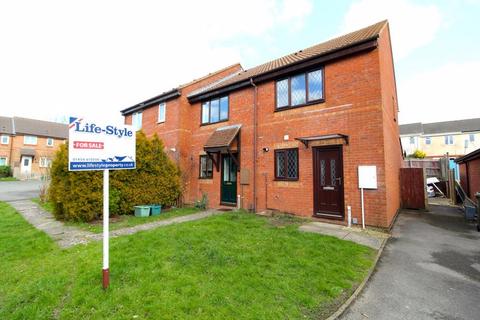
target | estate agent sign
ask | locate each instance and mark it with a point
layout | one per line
(100, 146)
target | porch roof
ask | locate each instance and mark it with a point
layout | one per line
(306, 140)
(27, 152)
(222, 138)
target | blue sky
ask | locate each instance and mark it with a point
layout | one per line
(93, 58)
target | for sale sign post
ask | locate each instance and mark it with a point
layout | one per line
(101, 146)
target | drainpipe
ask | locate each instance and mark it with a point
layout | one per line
(254, 145)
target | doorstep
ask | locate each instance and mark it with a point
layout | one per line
(370, 238)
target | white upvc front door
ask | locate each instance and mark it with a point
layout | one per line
(26, 166)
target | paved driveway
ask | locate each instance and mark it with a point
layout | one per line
(19, 190)
(430, 269)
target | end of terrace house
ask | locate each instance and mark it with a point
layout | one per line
(290, 134)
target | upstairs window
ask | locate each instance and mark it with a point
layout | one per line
(49, 142)
(162, 112)
(30, 140)
(215, 110)
(5, 139)
(206, 167)
(449, 140)
(286, 164)
(137, 121)
(300, 89)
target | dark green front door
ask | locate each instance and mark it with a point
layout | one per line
(229, 180)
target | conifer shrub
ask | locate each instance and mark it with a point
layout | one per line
(78, 195)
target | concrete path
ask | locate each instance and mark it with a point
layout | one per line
(64, 235)
(429, 269)
(19, 190)
(369, 238)
(67, 236)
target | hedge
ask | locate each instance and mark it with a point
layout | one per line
(5, 171)
(78, 195)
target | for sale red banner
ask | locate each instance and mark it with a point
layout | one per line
(87, 145)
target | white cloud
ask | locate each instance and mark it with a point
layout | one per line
(449, 92)
(412, 25)
(97, 57)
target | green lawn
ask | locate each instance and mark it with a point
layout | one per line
(230, 266)
(122, 221)
(8, 179)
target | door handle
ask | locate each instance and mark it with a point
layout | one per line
(339, 179)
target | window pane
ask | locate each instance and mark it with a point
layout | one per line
(315, 85)
(137, 120)
(226, 169)
(3, 161)
(280, 159)
(292, 161)
(224, 108)
(472, 138)
(161, 112)
(214, 110)
(205, 113)
(209, 167)
(298, 90)
(203, 166)
(282, 93)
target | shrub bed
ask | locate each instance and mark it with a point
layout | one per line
(78, 195)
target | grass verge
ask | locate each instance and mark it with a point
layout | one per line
(8, 179)
(230, 266)
(121, 221)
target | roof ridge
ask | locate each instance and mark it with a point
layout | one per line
(209, 75)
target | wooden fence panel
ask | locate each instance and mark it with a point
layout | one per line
(412, 188)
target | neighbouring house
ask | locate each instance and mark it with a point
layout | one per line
(470, 173)
(436, 139)
(28, 145)
(290, 134)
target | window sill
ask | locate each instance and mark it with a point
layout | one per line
(209, 178)
(160, 122)
(287, 180)
(300, 105)
(209, 123)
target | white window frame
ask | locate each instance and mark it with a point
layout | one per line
(50, 144)
(137, 119)
(25, 140)
(163, 106)
(44, 162)
(449, 140)
(5, 137)
(6, 161)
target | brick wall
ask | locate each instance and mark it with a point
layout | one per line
(470, 177)
(392, 147)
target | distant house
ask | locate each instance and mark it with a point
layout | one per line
(289, 134)
(28, 146)
(470, 173)
(436, 139)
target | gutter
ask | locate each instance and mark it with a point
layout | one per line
(174, 93)
(255, 92)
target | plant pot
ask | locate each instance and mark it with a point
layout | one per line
(142, 211)
(156, 209)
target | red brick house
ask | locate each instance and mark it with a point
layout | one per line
(289, 134)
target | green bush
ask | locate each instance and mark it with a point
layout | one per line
(419, 154)
(78, 195)
(5, 171)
